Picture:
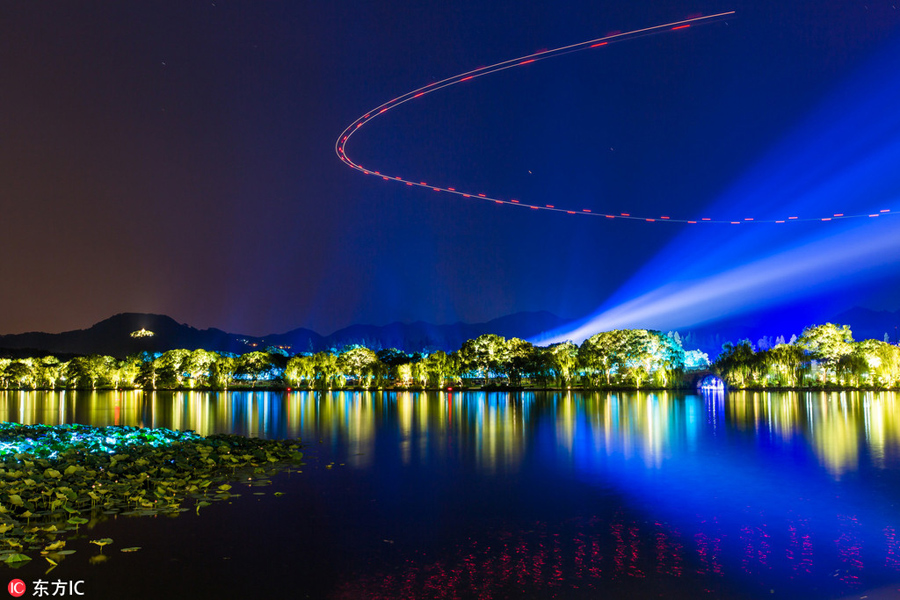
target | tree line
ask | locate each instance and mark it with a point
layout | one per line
(622, 358)
(823, 356)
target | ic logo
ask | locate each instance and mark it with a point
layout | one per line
(16, 588)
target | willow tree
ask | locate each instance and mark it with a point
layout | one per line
(736, 363)
(784, 363)
(327, 373)
(562, 358)
(437, 366)
(300, 369)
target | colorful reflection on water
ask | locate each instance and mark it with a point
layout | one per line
(745, 492)
(838, 427)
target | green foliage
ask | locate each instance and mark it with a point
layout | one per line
(360, 364)
(563, 360)
(484, 355)
(300, 370)
(823, 355)
(829, 344)
(54, 479)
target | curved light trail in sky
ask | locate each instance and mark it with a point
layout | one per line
(353, 128)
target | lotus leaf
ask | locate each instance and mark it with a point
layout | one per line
(14, 558)
(54, 472)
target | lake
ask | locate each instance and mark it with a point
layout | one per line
(497, 495)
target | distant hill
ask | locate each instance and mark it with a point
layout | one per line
(415, 337)
(114, 337)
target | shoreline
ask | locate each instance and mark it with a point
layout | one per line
(459, 389)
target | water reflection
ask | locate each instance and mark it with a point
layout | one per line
(575, 559)
(765, 485)
(840, 426)
(497, 428)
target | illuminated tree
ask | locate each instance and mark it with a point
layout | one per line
(21, 373)
(359, 363)
(392, 358)
(420, 372)
(129, 371)
(300, 369)
(48, 371)
(889, 370)
(4, 378)
(484, 354)
(221, 371)
(196, 367)
(666, 358)
(256, 366)
(404, 374)
(540, 369)
(326, 369)
(600, 354)
(563, 360)
(170, 368)
(437, 367)
(518, 358)
(872, 361)
(735, 363)
(86, 371)
(147, 372)
(695, 359)
(109, 370)
(827, 344)
(784, 362)
(637, 352)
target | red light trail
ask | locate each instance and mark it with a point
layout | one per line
(353, 128)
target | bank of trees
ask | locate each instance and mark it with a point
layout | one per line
(626, 358)
(823, 356)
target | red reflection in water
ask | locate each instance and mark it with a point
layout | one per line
(588, 558)
(709, 549)
(534, 562)
(849, 549)
(668, 553)
(892, 552)
(799, 550)
(755, 542)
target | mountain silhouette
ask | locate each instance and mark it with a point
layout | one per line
(113, 336)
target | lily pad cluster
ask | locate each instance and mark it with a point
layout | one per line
(58, 478)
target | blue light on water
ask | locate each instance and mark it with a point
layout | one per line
(712, 385)
(764, 496)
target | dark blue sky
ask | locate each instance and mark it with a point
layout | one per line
(177, 157)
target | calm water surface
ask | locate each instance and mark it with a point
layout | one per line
(533, 495)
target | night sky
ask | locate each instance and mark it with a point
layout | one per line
(178, 157)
